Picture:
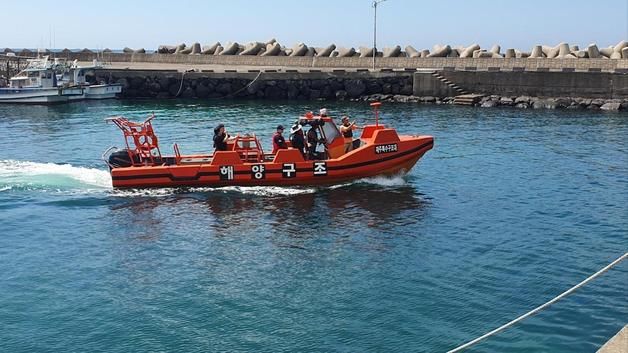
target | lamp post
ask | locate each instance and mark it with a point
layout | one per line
(375, 3)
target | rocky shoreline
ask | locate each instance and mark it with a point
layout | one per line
(521, 102)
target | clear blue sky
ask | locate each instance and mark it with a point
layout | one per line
(421, 23)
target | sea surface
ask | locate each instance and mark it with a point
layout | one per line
(509, 209)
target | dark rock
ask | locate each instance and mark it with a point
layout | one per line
(124, 82)
(406, 90)
(341, 95)
(327, 93)
(137, 82)
(373, 87)
(273, 92)
(174, 89)
(624, 105)
(202, 91)
(224, 88)
(315, 94)
(355, 88)
(522, 105)
(188, 93)
(164, 83)
(292, 92)
(318, 84)
(593, 107)
(386, 88)
(162, 95)
(154, 87)
(428, 99)
(395, 88)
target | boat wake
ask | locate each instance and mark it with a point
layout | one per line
(25, 175)
(51, 177)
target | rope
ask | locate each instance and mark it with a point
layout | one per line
(245, 87)
(539, 308)
(180, 87)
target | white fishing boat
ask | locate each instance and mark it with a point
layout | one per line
(76, 75)
(38, 84)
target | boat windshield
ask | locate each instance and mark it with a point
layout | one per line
(330, 131)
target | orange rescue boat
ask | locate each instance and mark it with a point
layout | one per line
(378, 151)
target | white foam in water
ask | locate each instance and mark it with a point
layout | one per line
(396, 180)
(51, 176)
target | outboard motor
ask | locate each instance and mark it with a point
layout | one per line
(121, 159)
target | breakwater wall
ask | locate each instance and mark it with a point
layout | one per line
(436, 63)
(341, 84)
(257, 85)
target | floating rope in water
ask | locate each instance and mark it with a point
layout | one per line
(537, 309)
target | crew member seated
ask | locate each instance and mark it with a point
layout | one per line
(279, 142)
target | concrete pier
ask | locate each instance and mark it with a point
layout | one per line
(617, 344)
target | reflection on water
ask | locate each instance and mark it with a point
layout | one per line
(351, 208)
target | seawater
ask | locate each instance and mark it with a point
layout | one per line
(509, 209)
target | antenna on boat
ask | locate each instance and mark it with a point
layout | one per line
(376, 106)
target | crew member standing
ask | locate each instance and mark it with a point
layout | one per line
(220, 138)
(279, 142)
(346, 129)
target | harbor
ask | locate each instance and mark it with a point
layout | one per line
(355, 176)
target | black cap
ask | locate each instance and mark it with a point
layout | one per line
(217, 128)
(280, 127)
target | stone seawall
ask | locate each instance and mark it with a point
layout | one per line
(260, 85)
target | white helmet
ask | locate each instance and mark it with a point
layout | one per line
(323, 112)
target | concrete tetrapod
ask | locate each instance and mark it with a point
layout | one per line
(179, 48)
(210, 49)
(230, 49)
(607, 52)
(252, 48)
(325, 52)
(510, 53)
(593, 51)
(345, 53)
(412, 53)
(440, 51)
(272, 49)
(537, 52)
(196, 49)
(392, 52)
(468, 52)
(299, 50)
(366, 52)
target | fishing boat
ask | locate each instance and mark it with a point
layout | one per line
(38, 83)
(76, 76)
(380, 150)
(53, 81)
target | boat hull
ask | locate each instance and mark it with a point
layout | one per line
(31, 95)
(224, 168)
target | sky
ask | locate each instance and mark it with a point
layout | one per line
(347, 23)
